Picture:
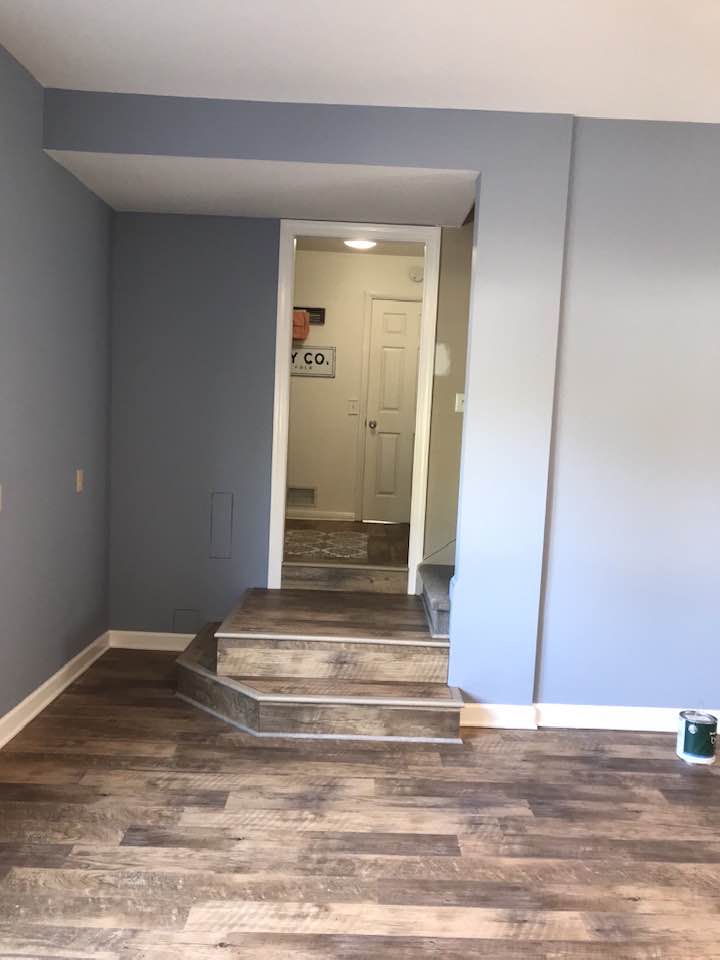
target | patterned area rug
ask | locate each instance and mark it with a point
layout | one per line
(323, 546)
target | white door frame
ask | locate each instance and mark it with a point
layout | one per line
(290, 230)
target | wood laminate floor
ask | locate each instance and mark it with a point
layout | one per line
(133, 826)
(320, 613)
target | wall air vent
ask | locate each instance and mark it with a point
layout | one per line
(301, 496)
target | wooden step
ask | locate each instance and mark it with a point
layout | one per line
(282, 633)
(359, 660)
(291, 707)
(344, 577)
(307, 615)
(435, 578)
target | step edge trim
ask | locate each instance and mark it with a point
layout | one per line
(434, 643)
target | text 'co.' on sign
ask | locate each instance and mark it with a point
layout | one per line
(312, 361)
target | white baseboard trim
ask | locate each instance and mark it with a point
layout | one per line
(578, 716)
(25, 711)
(310, 513)
(572, 716)
(143, 640)
(510, 716)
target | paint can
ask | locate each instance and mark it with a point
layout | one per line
(696, 736)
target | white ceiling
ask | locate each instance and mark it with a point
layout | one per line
(653, 59)
(264, 188)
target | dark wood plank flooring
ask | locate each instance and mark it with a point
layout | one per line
(133, 827)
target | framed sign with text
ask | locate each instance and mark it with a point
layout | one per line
(312, 362)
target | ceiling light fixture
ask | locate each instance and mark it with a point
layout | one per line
(360, 244)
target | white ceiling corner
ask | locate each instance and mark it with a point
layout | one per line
(641, 59)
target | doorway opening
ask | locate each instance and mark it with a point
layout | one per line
(353, 394)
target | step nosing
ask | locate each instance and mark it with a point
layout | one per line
(431, 641)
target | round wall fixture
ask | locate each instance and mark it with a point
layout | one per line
(360, 244)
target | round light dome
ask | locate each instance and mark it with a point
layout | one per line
(360, 244)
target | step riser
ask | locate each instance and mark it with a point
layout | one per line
(311, 719)
(224, 701)
(346, 720)
(436, 581)
(439, 621)
(370, 580)
(322, 660)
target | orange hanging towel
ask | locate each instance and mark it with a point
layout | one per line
(301, 324)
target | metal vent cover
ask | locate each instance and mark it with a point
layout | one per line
(301, 496)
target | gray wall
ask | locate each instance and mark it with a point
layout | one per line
(510, 382)
(304, 132)
(53, 400)
(630, 559)
(192, 395)
(632, 612)
(524, 162)
(449, 380)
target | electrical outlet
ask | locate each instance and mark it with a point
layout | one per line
(459, 403)
(79, 480)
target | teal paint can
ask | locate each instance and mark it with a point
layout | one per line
(697, 735)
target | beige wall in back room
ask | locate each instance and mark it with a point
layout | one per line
(446, 424)
(324, 438)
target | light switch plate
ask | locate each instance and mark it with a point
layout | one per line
(459, 403)
(353, 408)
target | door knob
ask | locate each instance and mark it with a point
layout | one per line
(372, 424)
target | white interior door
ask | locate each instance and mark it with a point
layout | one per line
(390, 410)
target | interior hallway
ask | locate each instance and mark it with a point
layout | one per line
(347, 541)
(134, 827)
